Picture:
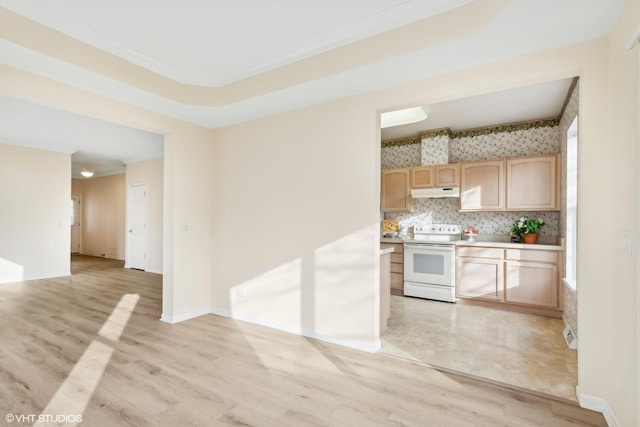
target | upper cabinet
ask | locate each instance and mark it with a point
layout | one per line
(532, 183)
(435, 176)
(423, 177)
(448, 175)
(517, 184)
(395, 191)
(482, 186)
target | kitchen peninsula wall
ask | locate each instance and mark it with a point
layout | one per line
(538, 137)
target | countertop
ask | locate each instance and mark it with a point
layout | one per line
(509, 245)
(386, 251)
(548, 243)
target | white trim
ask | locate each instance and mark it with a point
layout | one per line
(598, 404)
(358, 345)
(570, 284)
(154, 272)
(184, 316)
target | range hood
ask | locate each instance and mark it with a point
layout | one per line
(435, 193)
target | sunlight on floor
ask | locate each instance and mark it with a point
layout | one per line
(76, 391)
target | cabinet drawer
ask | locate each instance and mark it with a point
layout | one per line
(480, 252)
(397, 258)
(532, 255)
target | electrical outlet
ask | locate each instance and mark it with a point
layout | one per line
(240, 293)
(626, 246)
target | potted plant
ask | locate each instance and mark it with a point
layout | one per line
(527, 228)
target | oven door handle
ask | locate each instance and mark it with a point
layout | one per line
(431, 247)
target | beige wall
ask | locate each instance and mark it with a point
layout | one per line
(296, 222)
(103, 215)
(619, 302)
(150, 173)
(34, 213)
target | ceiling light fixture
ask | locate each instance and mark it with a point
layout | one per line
(86, 173)
(402, 117)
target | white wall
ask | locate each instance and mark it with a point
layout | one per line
(150, 173)
(35, 209)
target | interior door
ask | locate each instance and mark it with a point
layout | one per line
(137, 227)
(76, 215)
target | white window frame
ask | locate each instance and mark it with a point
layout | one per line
(571, 236)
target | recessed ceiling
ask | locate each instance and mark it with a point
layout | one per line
(216, 42)
(540, 101)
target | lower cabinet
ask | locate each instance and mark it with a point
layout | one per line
(524, 278)
(397, 267)
(532, 277)
(479, 278)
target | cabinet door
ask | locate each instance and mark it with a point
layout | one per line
(482, 186)
(395, 191)
(532, 283)
(448, 175)
(479, 278)
(532, 183)
(422, 177)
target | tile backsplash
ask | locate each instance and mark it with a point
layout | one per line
(439, 211)
(539, 137)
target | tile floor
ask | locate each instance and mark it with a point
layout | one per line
(517, 349)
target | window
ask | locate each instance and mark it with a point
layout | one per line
(572, 204)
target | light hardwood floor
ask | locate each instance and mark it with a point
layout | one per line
(92, 345)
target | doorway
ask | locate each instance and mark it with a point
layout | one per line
(76, 215)
(136, 227)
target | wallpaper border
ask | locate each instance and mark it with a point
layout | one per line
(487, 130)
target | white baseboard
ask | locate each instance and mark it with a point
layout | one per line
(358, 345)
(598, 404)
(184, 316)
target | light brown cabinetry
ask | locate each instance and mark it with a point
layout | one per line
(523, 279)
(516, 184)
(532, 183)
(395, 191)
(397, 267)
(532, 277)
(482, 186)
(423, 177)
(436, 176)
(448, 175)
(479, 273)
